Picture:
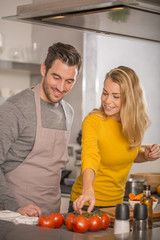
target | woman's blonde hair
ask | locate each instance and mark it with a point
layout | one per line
(133, 113)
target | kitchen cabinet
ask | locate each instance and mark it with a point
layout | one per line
(32, 68)
(65, 198)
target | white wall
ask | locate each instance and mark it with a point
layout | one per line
(16, 35)
(144, 58)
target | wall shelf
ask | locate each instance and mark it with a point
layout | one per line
(33, 68)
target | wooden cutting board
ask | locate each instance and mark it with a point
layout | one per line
(111, 213)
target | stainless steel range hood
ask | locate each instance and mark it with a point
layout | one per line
(130, 18)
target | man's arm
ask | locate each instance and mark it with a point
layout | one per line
(6, 198)
(8, 134)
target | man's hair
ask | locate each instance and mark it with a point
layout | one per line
(63, 52)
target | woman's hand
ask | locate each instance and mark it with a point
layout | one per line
(152, 152)
(87, 196)
(87, 192)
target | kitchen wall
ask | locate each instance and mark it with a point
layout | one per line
(144, 58)
(16, 37)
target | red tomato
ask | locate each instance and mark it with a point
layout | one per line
(80, 224)
(46, 222)
(68, 221)
(94, 223)
(58, 219)
(105, 221)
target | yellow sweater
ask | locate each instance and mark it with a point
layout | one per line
(106, 151)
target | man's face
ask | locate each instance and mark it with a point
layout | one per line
(58, 81)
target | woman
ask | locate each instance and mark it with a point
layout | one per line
(111, 139)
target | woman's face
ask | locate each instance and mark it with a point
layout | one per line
(111, 99)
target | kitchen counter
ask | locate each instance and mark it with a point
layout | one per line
(11, 231)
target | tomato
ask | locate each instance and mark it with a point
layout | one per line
(94, 223)
(58, 219)
(105, 221)
(46, 222)
(68, 221)
(80, 224)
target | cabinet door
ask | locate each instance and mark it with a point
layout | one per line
(64, 204)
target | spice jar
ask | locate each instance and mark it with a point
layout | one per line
(122, 224)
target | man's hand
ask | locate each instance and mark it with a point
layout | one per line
(30, 210)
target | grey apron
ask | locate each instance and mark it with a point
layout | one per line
(37, 180)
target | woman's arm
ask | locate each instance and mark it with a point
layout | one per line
(150, 153)
(91, 128)
(87, 192)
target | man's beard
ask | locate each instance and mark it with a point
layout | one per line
(47, 92)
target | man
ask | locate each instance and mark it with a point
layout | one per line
(35, 127)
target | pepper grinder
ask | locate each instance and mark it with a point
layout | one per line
(122, 224)
(140, 217)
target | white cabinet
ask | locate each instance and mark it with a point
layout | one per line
(65, 198)
(16, 76)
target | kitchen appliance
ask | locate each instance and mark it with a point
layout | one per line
(134, 186)
(152, 179)
(65, 174)
(139, 19)
(72, 154)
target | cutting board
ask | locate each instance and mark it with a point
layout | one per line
(111, 213)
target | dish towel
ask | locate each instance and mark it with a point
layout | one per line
(17, 218)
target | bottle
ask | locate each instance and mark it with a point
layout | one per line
(122, 224)
(140, 217)
(147, 199)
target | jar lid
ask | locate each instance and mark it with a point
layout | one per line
(140, 211)
(122, 211)
(147, 187)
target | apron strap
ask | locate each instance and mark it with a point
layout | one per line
(38, 105)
